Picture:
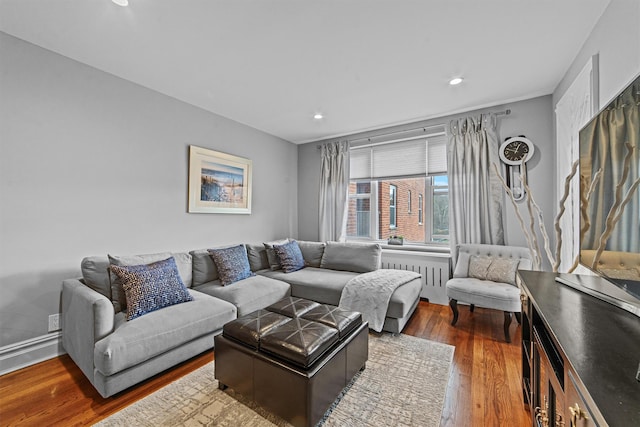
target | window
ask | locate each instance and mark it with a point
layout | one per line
(440, 208)
(383, 174)
(393, 190)
(359, 221)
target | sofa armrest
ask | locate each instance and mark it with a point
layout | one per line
(87, 317)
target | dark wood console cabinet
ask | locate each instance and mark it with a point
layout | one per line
(580, 356)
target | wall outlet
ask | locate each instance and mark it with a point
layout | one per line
(54, 322)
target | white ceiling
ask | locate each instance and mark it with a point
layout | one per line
(272, 64)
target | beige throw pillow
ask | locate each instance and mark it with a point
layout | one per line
(495, 269)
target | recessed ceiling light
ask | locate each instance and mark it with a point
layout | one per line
(121, 2)
(318, 116)
(455, 81)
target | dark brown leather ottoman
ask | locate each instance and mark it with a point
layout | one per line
(292, 358)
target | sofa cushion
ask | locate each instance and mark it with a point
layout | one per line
(317, 284)
(290, 256)
(357, 257)
(204, 269)
(257, 255)
(150, 287)
(232, 264)
(118, 297)
(249, 294)
(95, 272)
(274, 262)
(141, 339)
(312, 252)
(485, 293)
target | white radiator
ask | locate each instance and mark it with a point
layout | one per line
(434, 268)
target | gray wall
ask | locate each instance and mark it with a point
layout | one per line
(616, 40)
(530, 117)
(92, 164)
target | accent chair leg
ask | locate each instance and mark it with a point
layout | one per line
(507, 322)
(454, 308)
(472, 307)
(519, 318)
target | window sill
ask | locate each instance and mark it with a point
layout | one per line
(444, 250)
(433, 249)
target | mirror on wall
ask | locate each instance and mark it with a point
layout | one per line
(610, 197)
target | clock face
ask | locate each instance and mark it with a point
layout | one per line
(516, 150)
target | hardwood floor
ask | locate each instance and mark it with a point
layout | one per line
(484, 388)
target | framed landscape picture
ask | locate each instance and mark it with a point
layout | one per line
(218, 182)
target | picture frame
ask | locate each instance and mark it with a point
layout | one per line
(218, 182)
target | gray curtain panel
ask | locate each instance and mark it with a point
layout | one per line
(607, 150)
(475, 192)
(334, 187)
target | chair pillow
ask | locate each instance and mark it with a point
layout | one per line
(501, 270)
(274, 262)
(150, 287)
(290, 256)
(232, 264)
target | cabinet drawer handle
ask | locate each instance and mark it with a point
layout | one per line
(541, 414)
(577, 413)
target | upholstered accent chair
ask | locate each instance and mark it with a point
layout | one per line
(485, 275)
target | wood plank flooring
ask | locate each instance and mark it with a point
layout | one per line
(484, 388)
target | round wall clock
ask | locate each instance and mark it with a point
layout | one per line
(516, 150)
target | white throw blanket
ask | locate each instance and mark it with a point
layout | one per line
(370, 293)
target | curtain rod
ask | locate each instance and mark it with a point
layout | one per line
(424, 129)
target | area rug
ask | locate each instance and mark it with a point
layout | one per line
(404, 384)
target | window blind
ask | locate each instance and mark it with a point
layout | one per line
(418, 156)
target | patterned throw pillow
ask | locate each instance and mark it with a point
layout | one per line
(503, 270)
(478, 267)
(274, 262)
(495, 269)
(290, 256)
(232, 264)
(150, 287)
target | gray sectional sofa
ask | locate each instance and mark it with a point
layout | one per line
(115, 353)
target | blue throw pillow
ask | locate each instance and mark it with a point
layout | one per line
(150, 287)
(290, 256)
(232, 264)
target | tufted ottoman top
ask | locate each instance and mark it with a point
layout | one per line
(295, 330)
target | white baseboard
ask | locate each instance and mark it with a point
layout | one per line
(29, 352)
